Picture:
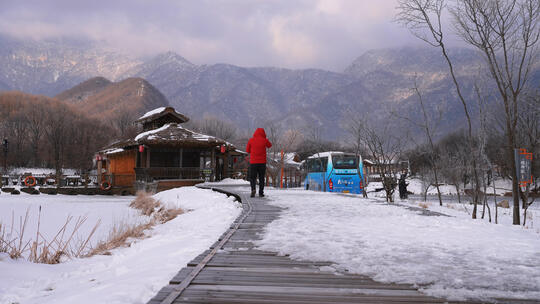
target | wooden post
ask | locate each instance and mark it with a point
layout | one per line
(213, 164)
(181, 157)
(281, 177)
(98, 173)
(180, 164)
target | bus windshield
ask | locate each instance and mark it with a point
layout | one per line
(344, 161)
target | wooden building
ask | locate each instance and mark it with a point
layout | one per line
(284, 172)
(165, 155)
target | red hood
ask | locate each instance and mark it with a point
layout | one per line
(259, 133)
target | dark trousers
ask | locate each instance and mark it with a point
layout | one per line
(254, 170)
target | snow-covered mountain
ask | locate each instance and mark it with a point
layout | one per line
(375, 83)
(52, 66)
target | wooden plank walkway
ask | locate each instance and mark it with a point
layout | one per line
(234, 271)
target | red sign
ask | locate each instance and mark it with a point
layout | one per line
(223, 149)
(98, 157)
(523, 166)
(141, 148)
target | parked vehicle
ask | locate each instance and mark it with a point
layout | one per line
(334, 172)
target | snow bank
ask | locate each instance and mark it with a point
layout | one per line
(129, 275)
(454, 257)
(228, 182)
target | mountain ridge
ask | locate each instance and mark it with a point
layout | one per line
(115, 102)
(375, 83)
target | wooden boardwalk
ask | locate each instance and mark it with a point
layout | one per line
(233, 271)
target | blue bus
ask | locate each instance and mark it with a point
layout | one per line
(334, 172)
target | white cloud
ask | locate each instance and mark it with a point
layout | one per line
(291, 45)
(297, 34)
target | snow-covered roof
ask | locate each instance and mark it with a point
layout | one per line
(381, 161)
(113, 151)
(154, 111)
(172, 131)
(170, 134)
(325, 154)
(163, 111)
(288, 158)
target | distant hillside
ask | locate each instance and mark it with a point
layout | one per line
(84, 90)
(124, 100)
(46, 132)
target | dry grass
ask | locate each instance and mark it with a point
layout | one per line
(145, 203)
(39, 249)
(165, 215)
(154, 208)
(63, 244)
(423, 205)
(121, 235)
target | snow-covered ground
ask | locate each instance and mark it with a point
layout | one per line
(415, 186)
(447, 256)
(502, 186)
(55, 210)
(129, 275)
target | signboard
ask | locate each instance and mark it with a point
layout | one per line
(207, 173)
(523, 166)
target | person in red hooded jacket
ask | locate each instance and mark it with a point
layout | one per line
(256, 147)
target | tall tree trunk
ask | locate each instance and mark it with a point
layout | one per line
(515, 182)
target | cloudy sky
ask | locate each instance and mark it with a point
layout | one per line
(325, 34)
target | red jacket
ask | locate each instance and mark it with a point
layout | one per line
(256, 147)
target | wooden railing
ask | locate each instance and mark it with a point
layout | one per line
(151, 174)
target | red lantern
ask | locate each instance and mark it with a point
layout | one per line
(223, 149)
(98, 157)
(235, 160)
(141, 148)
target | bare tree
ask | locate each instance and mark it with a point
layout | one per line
(355, 130)
(56, 132)
(17, 123)
(427, 179)
(424, 19)
(123, 123)
(506, 32)
(219, 128)
(453, 168)
(428, 126)
(36, 122)
(529, 124)
(214, 126)
(384, 147)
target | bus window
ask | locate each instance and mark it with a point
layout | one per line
(317, 164)
(344, 161)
